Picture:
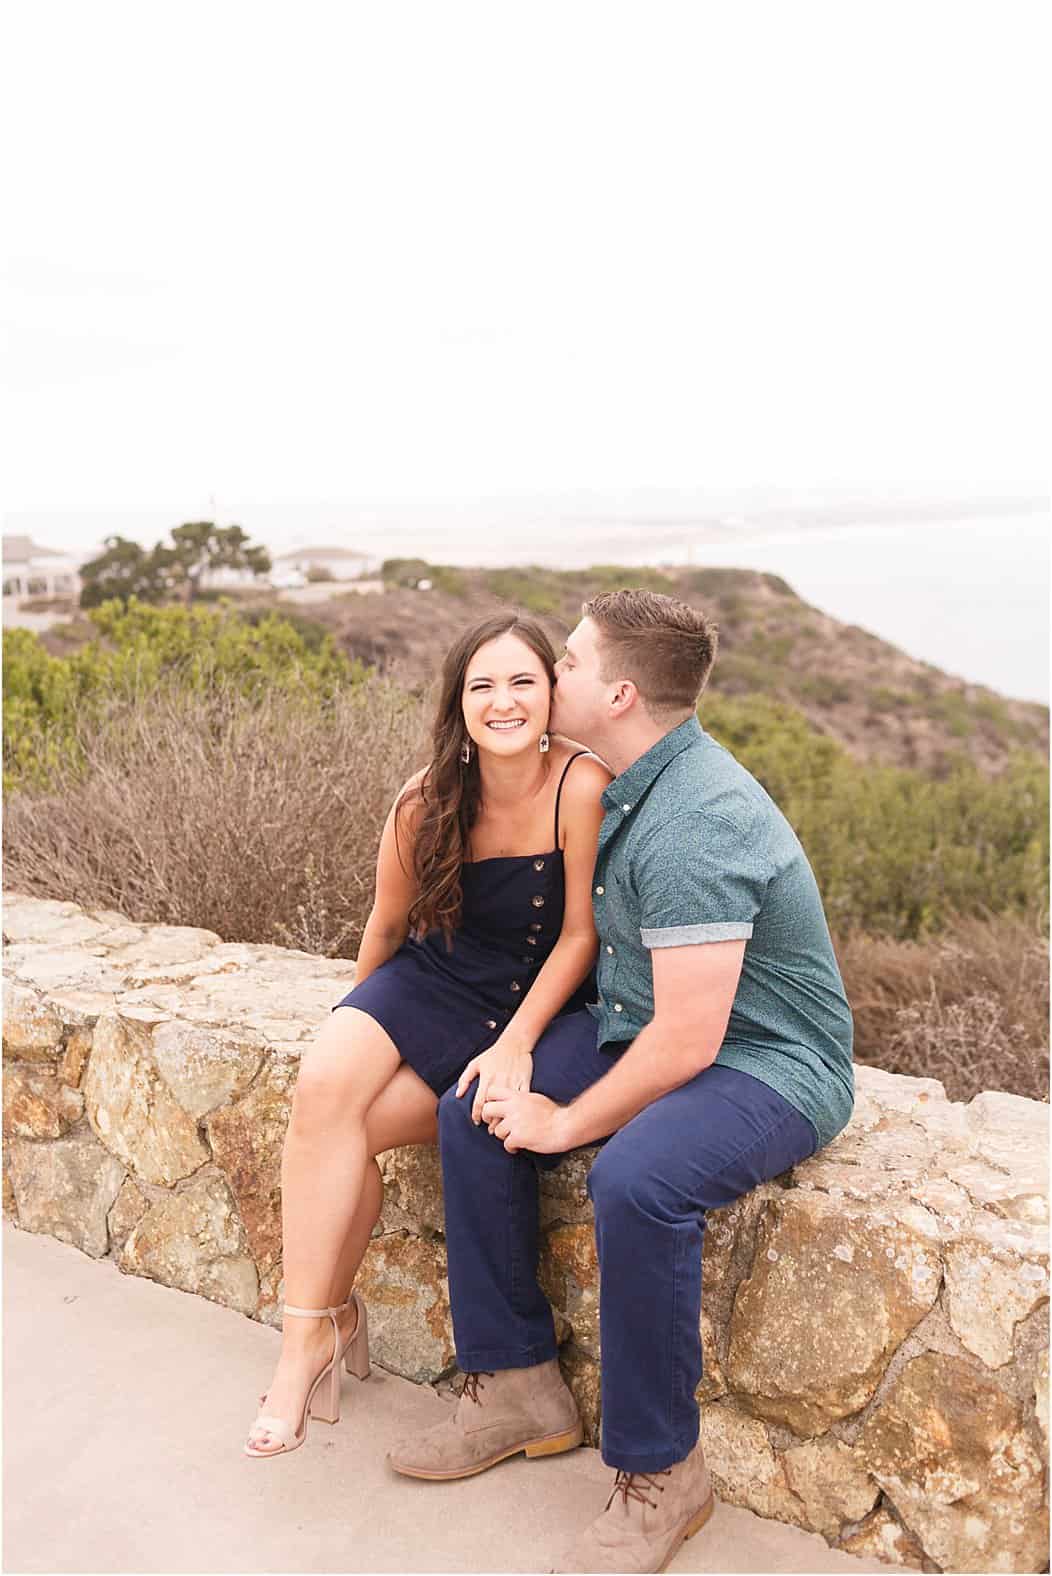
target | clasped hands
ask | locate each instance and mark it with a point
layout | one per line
(503, 1100)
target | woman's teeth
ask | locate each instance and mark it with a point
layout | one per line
(505, 726)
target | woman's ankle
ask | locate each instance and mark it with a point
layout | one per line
(298, 1332)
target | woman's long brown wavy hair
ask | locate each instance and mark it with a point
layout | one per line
(450, 792)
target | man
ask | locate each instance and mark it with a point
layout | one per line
(721, 1058)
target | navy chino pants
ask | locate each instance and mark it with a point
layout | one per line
(701, 1146)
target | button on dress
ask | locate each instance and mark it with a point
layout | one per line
(442, 1007)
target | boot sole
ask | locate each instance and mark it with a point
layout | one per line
(549, 1445)
(694, 1525)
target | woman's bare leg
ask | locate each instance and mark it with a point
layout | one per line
(405, 1112)
(323, 1170)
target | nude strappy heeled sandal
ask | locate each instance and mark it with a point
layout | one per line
(323, 1398)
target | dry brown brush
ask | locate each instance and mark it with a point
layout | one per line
(969, 1006)
(260, 822)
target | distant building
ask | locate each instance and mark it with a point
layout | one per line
(342, 563)
(30, 570)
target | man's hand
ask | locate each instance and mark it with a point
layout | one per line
(525, 1121)
(507, 1063)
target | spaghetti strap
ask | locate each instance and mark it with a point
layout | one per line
(559, 792)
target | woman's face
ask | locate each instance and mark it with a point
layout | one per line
(506, 698)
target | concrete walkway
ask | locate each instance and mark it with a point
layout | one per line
(125, 1407)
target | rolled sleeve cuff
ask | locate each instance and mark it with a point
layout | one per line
(691, 935)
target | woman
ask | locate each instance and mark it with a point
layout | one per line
(481, 932)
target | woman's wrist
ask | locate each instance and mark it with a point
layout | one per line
(519, 1039)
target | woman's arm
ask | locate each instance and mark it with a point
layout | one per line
(396, 887)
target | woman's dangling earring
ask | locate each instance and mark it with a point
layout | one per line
(545, 744)
(465, 751)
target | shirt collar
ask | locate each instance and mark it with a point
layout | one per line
(625, 791)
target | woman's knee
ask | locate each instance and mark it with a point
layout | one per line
(340, 1075)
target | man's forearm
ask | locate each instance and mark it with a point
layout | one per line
(655, 1063)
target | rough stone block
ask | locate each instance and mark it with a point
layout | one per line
(132, 1110)
(205, 1068)
(37, 1104)
(32, 1027)
(881, 1537)
(954, 1455)
(247, 1139)
(192, 1240)
(403, 1282)
(65, 1188)
(833, 1291)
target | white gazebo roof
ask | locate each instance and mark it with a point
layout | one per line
(318, 552)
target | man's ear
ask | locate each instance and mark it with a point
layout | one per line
(624, 698)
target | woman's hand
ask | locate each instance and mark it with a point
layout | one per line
(507, 1064)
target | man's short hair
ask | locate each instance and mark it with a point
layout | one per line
(664, 646)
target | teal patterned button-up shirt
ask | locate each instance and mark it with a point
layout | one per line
(693, 850)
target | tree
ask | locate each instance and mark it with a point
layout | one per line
(125, 569)
(202, 545)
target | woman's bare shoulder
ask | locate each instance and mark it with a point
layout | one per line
(412, 782)
(409, 799)
(588, 776)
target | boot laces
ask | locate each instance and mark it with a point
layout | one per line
(470, 1387)
(625, 1484)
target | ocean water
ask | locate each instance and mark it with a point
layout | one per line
(971, 596)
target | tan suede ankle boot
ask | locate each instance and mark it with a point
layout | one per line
(497, 1415)
(647, 1517)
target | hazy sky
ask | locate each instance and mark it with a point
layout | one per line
(343, 251)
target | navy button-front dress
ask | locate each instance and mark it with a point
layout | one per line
(443, 1007)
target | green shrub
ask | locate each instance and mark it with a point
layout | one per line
(138, 644)
(895, 851)
(525, 589)
(824, 690)
(406, 572)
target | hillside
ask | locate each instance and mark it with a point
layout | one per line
(880, 703)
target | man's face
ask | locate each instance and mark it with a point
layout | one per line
(580, 701)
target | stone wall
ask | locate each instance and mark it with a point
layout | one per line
(876, 1321)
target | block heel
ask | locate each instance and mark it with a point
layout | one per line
(356, 1355)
